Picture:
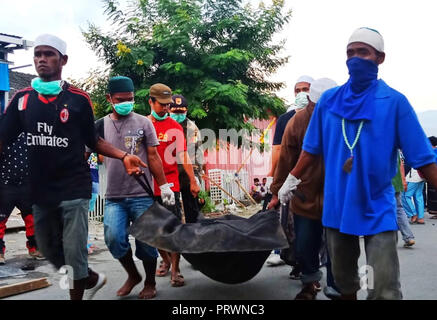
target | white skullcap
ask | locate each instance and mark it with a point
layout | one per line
(368, 36)
(305, 79)
(319, 86)
(51, 41)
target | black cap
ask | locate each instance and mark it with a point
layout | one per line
(179, 101)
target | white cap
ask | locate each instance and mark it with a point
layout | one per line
(305, 79)
(368, 36)
(51, 41)
(319, 86)
(292, 107)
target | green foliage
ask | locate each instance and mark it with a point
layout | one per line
(95, 84)
(209, 205)
(217, 53)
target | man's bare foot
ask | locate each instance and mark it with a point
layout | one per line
(130, 283)
(149, 291)
(177, 280)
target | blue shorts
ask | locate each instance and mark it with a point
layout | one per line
(119, 214)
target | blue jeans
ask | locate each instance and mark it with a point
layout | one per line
(404, 226)
(119, 213)
(308, 242)
(412, 200)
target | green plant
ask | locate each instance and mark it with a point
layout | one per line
(220, 54)
(209, 205)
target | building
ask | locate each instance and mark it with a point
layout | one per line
(18, 81)
(8, 44)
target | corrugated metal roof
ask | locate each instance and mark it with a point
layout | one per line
(18, 81)
(10, 35)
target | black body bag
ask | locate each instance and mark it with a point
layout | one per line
(229, 249)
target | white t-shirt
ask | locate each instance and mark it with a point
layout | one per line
(413, 176)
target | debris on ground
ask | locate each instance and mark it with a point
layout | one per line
(22, 287)
(246, 212)
(10, 271)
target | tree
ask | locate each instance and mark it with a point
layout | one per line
(95, 84)
(217, 53)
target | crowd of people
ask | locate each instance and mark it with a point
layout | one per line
(343, 167)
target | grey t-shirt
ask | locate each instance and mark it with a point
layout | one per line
(133, 134)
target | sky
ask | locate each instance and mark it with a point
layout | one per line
(316, 37)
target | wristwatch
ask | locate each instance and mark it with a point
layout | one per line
(124, 156)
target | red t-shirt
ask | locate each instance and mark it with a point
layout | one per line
(171, 141)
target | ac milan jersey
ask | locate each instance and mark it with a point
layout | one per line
(57, 130)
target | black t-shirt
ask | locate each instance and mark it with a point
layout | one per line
(57, 130)
(280, 126)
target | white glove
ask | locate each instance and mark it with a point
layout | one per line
(285, 193)
(167, 195)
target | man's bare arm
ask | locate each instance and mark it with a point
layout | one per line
(188, 167)
(155, 166)
(276, 151)
(430, 173)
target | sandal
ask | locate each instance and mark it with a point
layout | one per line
(434, 217)
(177, 281)
(163, 269)
(413, 220)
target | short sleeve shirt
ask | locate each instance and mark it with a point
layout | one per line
(363, 201)
(171, 142)
(94, 167)
(57, 130)
(280, 126)
(133, 134)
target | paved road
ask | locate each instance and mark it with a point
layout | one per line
(418, 266)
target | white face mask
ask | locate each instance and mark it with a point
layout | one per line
(301, 100)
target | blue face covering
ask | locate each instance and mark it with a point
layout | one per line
(157, 117)
(354, 99)
(50, 88)
(124, 108)
(362, 73)
(179, 117)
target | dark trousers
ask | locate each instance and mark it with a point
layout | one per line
(267, 198)
(308, 242)
(329, 277)
(191, 204)
(16, 196)
(287, 223)
(383, 274)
